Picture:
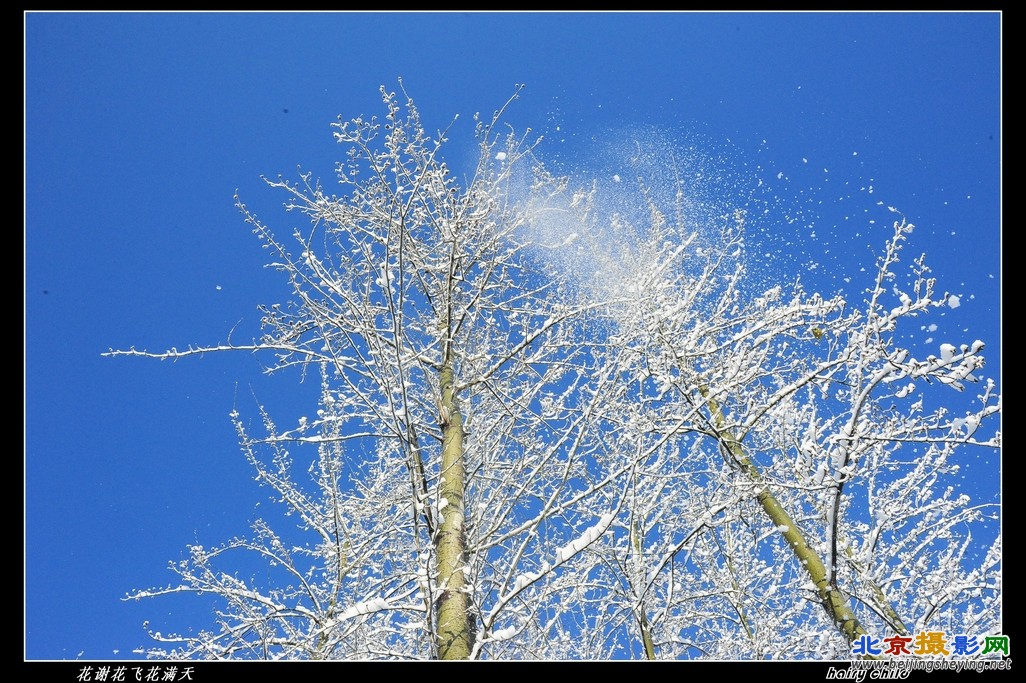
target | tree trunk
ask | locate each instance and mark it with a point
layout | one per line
(832, 599)
(454, 635)
(638, 534)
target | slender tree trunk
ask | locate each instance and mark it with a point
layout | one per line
(646, 634)
(454, 635)
(832, 599)
(637, 542)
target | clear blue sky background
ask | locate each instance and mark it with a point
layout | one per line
(140, 127)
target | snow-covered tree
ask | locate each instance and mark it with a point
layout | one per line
(547, 430)
(798, 493)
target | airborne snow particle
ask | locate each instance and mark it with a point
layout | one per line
(954, 301)
(501, 156)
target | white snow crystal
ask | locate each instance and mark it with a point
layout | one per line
(501, 156)
(954, 301)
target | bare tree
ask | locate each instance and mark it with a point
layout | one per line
(546, 430)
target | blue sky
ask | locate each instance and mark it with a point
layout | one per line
(141, 127)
